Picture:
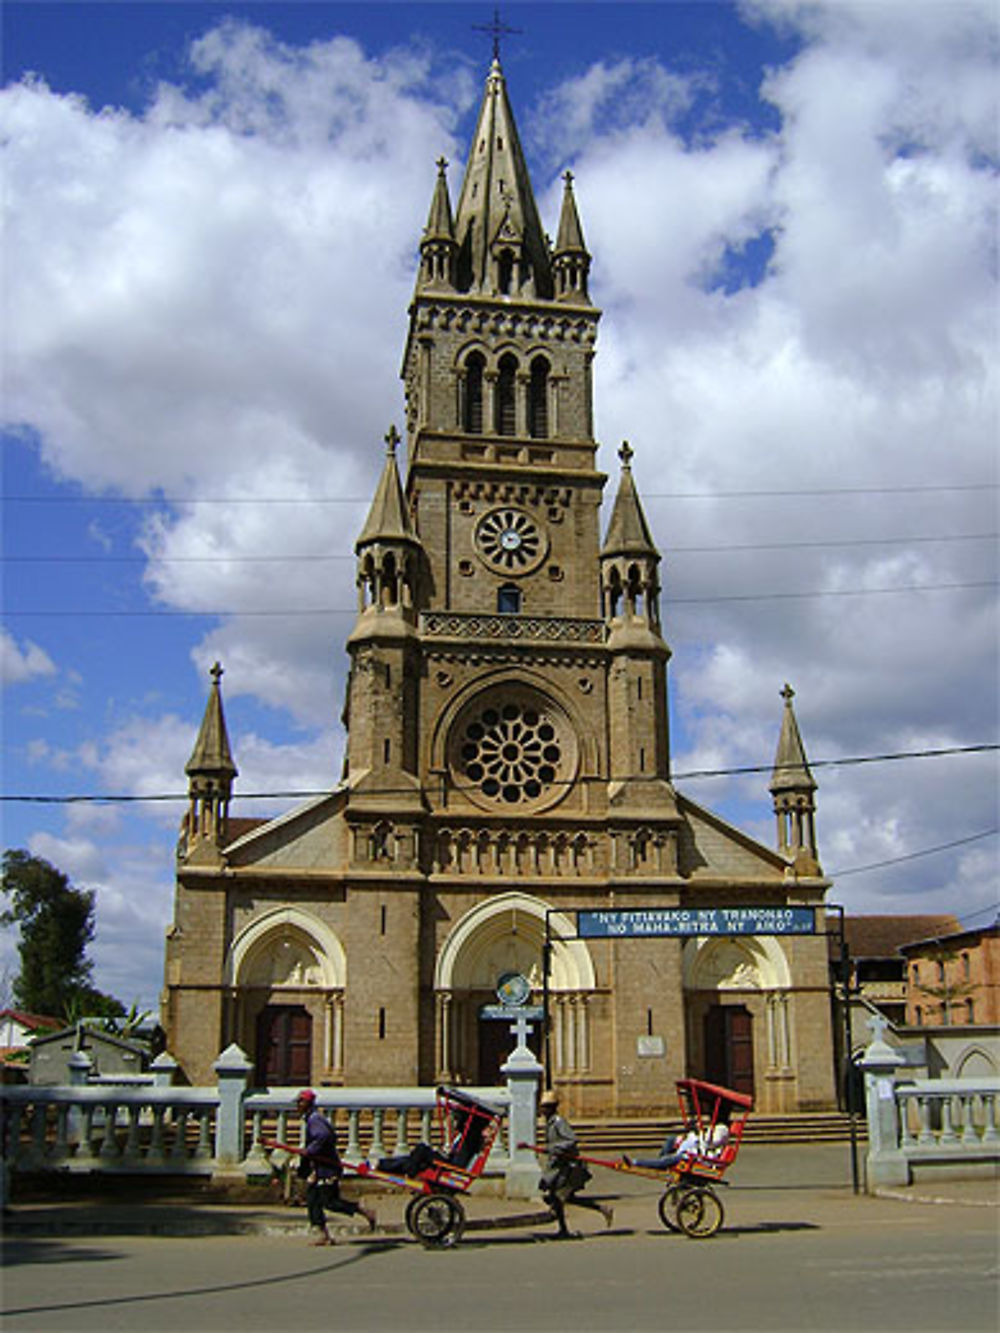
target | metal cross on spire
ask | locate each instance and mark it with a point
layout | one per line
(497, 29)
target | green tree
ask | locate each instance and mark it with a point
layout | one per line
(56, 922)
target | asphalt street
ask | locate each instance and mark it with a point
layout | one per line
(794, 1254)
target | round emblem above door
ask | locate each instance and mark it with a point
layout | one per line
(510, 541)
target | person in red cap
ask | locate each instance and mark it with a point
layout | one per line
(321, 1168)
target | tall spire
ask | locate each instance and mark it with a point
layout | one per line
(794, 790)
(502, 248)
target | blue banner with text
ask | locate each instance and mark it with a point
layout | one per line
(629, 923)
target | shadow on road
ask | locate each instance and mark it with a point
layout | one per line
(358, 1254)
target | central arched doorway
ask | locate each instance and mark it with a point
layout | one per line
(506, 934)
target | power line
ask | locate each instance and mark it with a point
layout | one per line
(316, 612)
(325, 556)
(366, 499)
(691, 774)
(983, 911)
(914, 856)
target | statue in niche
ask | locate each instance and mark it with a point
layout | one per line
(729, 967)
(287, 962)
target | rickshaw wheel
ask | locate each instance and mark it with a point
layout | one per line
(667, 1206)
(408, 1215)
(699, 1213)
(437, 1220)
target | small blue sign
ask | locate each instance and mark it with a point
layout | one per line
(632, 923)
(534, 1013)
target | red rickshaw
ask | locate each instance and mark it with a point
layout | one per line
(468, 1128)
(689, 1202)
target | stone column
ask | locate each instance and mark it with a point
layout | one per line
(885, 1163)
(523, 1074)
(164, 1068)
(233, 1068)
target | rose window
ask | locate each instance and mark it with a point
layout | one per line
(513, 751)
(510, 540)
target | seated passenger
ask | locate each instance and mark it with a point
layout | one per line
(462, 1149)
(675, 1146)
(692, 1144)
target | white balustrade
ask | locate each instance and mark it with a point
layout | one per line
(141, 1127)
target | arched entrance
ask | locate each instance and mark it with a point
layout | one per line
(286, 971)
(506, 934)
(736, 994)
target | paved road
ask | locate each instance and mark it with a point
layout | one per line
(792, 1258)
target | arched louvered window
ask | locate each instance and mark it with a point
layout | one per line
(538, 399)
(473, 406)
(506, 408)
(505, 271)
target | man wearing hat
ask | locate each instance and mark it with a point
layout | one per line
(321, 1167)
(565, 1174)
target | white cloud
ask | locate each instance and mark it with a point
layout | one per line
(611, 99)
(210, 299)
(22, 662)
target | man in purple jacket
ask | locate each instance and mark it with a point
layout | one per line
(321, 1167)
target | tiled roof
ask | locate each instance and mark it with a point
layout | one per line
(31, 1020)
(882, 936)
(241, 826)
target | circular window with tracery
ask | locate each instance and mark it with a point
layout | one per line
(511, 541)
(513, 749)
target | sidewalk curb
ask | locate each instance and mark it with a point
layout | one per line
(207, 1225)
(899, 1196)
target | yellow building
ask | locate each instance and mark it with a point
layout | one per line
(508, 756)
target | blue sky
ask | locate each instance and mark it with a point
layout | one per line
(212, 218)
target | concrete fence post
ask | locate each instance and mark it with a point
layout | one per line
(79, 1069)
(163, 1069)
(886, 1163)
(233, 1069)
(523, 1074)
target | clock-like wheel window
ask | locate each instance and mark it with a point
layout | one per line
(511, 541)
(512, 750)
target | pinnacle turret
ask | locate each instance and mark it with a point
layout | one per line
(388, 518)
(794, 790)
(210, 773)
(570, 259)
(438, 248)
(211, 756)
(628, 532)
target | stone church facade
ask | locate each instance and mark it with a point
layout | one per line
(508, 756)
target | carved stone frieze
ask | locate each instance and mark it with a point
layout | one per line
(512, 492)
(503, 322)
(533, 629)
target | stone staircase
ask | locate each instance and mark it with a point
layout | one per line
(610, 1137)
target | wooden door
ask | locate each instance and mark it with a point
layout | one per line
(284, 1046)
(729, 1047)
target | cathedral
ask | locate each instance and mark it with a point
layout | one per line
(507, 765)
